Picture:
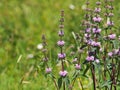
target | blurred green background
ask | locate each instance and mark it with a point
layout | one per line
(22, 22)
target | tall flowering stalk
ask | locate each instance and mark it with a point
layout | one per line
(45, 58)
(96, 44)
(48, 69)
(91, 33)
(111, 37)
(62, 55)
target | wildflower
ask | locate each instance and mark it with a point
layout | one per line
(63, 73)
(97, 10)
(87, 35)
(112, 36)
(110, 54)
(115, 51)
(48, 70)
(90, 58)
(39, 46)
(89, 42)
(101, 49)
(95, 44)
(61, 55)
(88, 30)
(111, 14)
(75, 60)
(98, 3)
(61, 33)
(71, 6)
(96, 30)
(60, 43)
(97, 60)
(110, 23)
(77, 66)
(97, 19)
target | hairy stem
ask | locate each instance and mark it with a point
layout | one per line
(81, 84)
(93, 77)
(55, 84)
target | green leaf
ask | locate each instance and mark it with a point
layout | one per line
(75, 75)
(60, 82)
(67, 81)
(86, 70)
(83, 46)
(105, 84)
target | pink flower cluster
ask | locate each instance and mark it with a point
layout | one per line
(114, 52)
(112, 36)
(97, 19)
(88, 30)
(96, 30)
(110, 23)
(90, 58)
(75, 60)
(93, 43)
(48, 70)
(97, 10)
(61, 33)
(77, 66)
(87, 35)
(63, 73)
(60, 43)
(61, 55)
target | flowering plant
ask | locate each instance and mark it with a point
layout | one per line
(97, 51)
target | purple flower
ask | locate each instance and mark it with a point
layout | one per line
(97, 10)
(112, 36)
(98, 3)
(74, 60)
(111, 14)
(61, 33)
(77, 66)
(63, 73)
(90, 58)
(89, 42)
(97, 19)
(110, 23)
(87, 35)
(110, 54)
(96, 30)
(88, 30)
(60, 43)
(116, 52)
(48, 70)
(95, 44)
(61, 55)
(97, 61)
(101, 49)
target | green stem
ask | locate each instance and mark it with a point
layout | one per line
(63, 85)
(81, 84)
(93, 77)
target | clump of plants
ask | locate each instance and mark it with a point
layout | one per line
(95, 53)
